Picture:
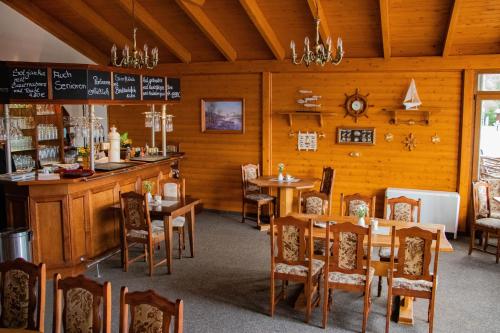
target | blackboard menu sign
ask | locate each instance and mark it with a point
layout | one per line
(28, 83)
(4, 83)
(127, 86)
(69, 83)
(153, 88)
(98, 85)
(173, 89)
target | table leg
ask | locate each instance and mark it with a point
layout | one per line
(191, 222)
(406, 311)
(285, 201)
(168, 241)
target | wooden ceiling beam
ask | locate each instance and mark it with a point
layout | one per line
(254, 12)
(158, 30)
(208, 27)
(318, 12)
(56, 28)
(98, 22)
(198, 2)
(452, 24)
(384, 23)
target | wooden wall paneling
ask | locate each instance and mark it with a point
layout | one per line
(466, 145)
(17, 207)
(51, 242)
(267, 123)
(80, 226)
(104, 235)
(385, 164)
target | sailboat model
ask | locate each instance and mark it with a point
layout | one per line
(412, 101)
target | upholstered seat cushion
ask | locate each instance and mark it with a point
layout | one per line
(299, 269)
(385, 252)
(157, 228)
(489, 222)
(346, 278)
(179, 221)
(259, 197)
(416, 285)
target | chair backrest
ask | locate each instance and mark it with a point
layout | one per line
(150, 312)
(348, 248)
(22, 295)
(349, 204)
(135, 212)
(171, 187)
(327, 181)
(403, 209)
(480, 199)
(314, 202)
(87, 305)
(249, 172)
(288, 237)
(414, 253)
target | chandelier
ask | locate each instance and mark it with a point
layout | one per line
(321, 54)
(138, 58)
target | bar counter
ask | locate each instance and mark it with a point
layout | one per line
(71, 219)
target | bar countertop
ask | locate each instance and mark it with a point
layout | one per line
(98, 174)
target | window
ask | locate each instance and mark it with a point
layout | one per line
(489, 82)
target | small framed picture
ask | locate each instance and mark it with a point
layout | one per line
(223, 115)
(356, 135)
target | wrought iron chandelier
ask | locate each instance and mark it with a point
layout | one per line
(321, 54)
(138, 58)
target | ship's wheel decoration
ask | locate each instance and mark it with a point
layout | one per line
(410, 142)
(356, 105)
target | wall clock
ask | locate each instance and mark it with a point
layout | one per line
(356, 105)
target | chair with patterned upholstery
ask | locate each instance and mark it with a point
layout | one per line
(292, 260)
(349, 204)
(484, 220)
(137, 228)
(87, 305)
(348, 265)
(315, 203)
(401, 209)
(326, 187)
(149, 312)
(22, 295)
(252, 194)
(410, 275)
(171, 188)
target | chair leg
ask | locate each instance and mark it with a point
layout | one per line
(326, 303)
(125, 256)
(498, 247)
(472, 238)
(486, 239)
(258, 215)
(389, 309)
(379, 288)
(366, 309)
(272, 303)
(179, 231)
(243, 212)
(151, 263)
(308, 290)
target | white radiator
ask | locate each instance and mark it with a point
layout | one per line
(438, 207)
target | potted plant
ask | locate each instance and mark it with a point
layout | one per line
(361, 212)
(281, 167)
(148, 187)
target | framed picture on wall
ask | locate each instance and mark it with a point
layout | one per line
(223, 115)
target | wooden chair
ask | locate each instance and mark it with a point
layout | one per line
(138, 229)
(315, 203)
(350, 203)
(401, 209)
(326, 187)
(482, 220)
(22, 295)
(411, 276)
(348, 268)
(149, 312)
(294, 259)
(252, 194)
(175, 188)
(82, 305)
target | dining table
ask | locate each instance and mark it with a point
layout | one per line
(167, 210)
(380, 238)
(285, 189)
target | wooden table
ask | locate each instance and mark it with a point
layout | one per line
(381, 268)
(168, 213)
(285, 190)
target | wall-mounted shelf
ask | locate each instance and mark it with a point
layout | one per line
(317, 114)
(403, 116)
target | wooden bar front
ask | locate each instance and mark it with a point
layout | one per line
(72, 219)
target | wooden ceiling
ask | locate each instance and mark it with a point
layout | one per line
(230, 30)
